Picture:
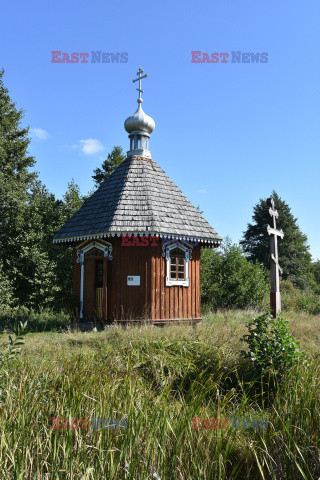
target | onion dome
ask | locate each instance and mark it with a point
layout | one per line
(139, 121)
(139, 126)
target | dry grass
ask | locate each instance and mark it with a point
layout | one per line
(158, 378)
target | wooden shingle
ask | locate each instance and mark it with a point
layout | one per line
(138, 196)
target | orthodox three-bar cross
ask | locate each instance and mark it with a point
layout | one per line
(140, 77)
(275, 299)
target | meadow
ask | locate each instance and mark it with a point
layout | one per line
(161, 383)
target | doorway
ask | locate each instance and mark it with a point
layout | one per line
(99, 288)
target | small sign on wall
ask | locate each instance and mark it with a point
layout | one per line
(133, 280)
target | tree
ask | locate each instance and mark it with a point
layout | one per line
(5, 289)
(112, 161)
(15, 180)
(43, 271)
(34, 277)
(72, 201)
(294, 256)
(315, 268)
(62, 256)
(229, 280)
(33, 271)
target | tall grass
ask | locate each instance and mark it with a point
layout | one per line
(38, 321)
(159, 379)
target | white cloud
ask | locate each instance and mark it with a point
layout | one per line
(39, 133)
(90, 146)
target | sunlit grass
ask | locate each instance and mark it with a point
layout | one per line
(159, 379)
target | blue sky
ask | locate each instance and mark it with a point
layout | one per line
(226, 133)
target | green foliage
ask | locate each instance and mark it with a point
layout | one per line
(72, 201)
(294, 255)
(113, 160)
(6, 291)
(315, 269)
(15, 180)
(295, 300)
(33, 271)
(122, 373)
(229, 280)
(271, 345)
(15, 343)
(62, 257)
(310, 303)
(38, 321)
(41, 272)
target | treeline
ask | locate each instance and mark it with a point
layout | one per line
(237, 276)
(35, 274)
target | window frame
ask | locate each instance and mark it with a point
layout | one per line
(170, 282)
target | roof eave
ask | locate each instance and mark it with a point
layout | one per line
(215, 241)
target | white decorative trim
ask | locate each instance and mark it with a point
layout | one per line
(209, 241)
(181, 283)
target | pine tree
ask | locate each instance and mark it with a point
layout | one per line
(112, 161)
(16, 179)
(43, 271)
(63, 256)
(33, 271)
(294, 255)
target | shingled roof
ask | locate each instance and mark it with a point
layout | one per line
(137, 198)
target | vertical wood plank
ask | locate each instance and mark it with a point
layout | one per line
(197, 290)
(157, 293)
(180, 302)
(147, 312)
(193, 289)
(153, 285)
(105, 292)
(76, 275)
(162, 285)
(112, 282)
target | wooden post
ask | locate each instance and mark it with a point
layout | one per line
(275, 299)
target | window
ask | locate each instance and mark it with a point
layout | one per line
(177, 264)
(177, 256)
(99, 273)
(94, 252)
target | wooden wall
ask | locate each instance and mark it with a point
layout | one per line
(152, 299)
(175, 301)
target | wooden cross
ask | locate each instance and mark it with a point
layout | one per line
(275, 299)
(140, 77)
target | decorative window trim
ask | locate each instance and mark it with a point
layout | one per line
(106, 248)
(186, 250)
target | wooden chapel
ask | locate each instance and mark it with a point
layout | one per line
(137, 241)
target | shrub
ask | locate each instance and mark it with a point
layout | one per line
(228, 280)
(294, 299)
(13, 348)
(271, 345)
(310, 303)
(40, 321)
